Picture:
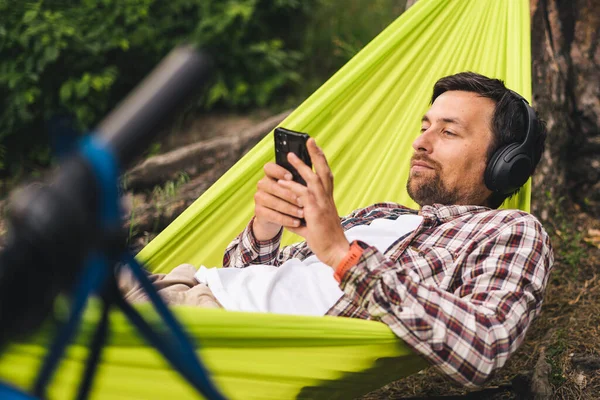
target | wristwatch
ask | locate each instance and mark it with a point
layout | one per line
(350, 260)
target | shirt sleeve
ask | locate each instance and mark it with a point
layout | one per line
(246, 250)
(470, 332)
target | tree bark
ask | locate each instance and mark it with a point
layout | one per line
(566, 93)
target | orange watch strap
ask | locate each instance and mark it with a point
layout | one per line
(350, 260)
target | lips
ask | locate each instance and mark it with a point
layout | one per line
(421, 165)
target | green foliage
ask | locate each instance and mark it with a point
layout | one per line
(554, 355)
(80, 58)
(77, 59)
(247, 40)
(573, 249)
(163, 194)
(337, 30)
(154, 149)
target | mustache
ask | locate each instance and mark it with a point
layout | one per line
(425, 159)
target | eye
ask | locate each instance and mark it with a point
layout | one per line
(424, 128)
(448, 133)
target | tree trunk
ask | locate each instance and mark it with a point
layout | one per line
(566, 92)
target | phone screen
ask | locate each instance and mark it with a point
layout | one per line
(287, 141)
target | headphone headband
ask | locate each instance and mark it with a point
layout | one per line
(531, 128)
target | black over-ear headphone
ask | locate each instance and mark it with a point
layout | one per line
(511, 165)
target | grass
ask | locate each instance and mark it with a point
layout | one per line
(572, 248)
(162, 195)
(554, 355)
(168, 191)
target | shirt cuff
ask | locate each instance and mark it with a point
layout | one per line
(250, 240)
(361, 282)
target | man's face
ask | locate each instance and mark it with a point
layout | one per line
(449, 161)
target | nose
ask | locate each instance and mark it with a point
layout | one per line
(423, 142)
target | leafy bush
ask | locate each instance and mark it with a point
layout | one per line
(64, 64)
(339, 29)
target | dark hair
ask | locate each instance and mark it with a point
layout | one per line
(508, 122)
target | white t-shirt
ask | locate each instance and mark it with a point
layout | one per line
(296, 287)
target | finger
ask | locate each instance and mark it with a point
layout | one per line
(304, 170)
(300, 231)
(271, 187)
(267, 214)
(296, 188)
(320, 164)
(276, 172)
(263, 199)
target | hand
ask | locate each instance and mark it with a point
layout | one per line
(323, 231)
(274, 205)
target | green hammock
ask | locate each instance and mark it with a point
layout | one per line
(365, 119)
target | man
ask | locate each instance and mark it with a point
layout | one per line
(464, 286)
(459, 281)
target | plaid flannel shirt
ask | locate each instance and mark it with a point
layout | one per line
(461, 289)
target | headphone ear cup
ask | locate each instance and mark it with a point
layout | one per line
(508, 169)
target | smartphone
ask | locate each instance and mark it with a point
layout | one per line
(287, 141)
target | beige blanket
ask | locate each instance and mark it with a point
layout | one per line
(178, 287)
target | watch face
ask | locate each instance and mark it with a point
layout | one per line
(359, 244)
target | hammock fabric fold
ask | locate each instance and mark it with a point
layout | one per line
(365, 118)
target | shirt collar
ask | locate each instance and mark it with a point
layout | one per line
(448, 213)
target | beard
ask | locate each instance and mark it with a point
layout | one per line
(427, 188)
(427, 191)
